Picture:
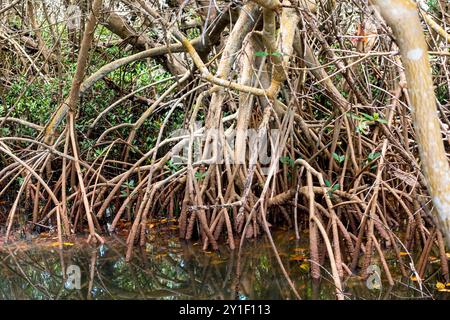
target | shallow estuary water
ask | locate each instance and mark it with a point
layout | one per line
(168, 268)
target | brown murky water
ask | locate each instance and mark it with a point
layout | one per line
(168, 268)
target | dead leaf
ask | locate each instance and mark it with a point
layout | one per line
(56, 244)
(413, 278)
(297, 257)
(440, 285)
(304, 266)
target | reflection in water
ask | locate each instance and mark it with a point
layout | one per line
(168, 268)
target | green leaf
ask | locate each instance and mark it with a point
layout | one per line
(338, 158)
(172, 167)
(261, 54)
(368, 116)
(335, 156)
(287, 160)
(99, 152)
(374, 155)
(200, 175)
(354, 116)
(277, 54)
(328, 183)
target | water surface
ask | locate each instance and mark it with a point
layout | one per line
(168, 268)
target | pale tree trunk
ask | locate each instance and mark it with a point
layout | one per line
(402, 17)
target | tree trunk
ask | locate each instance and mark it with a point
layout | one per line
(402, 17)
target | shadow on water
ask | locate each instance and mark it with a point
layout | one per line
(168, 268)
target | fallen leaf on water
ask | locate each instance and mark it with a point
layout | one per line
(440, 285)
(404, 254)
(56, 244)
(413, 278)
(297, 257)
(304, 266)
